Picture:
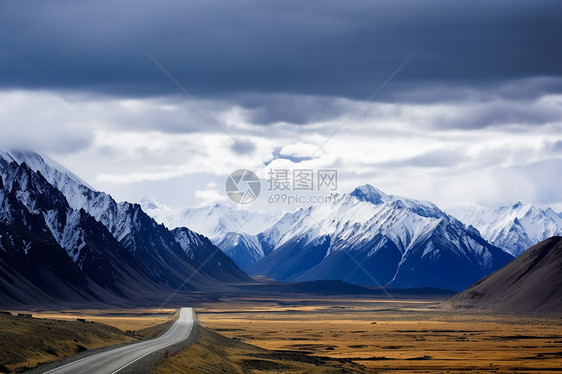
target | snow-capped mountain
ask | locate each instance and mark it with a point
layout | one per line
(371, 238)
(512, 227)
(213, 221)
(66, 240)
(48, 167)
(233, 230)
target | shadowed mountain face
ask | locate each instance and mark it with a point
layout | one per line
(531, 283)
(61, 240)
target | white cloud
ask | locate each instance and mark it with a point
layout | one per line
(450, 153)
(210, 196)
(299, 150)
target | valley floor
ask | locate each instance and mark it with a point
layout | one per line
(271, 335)
(391, 336)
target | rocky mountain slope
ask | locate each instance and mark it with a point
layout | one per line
(529, 284)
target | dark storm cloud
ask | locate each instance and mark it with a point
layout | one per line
(331, 48)
(294, 109)
(530, 88)
(523, 113)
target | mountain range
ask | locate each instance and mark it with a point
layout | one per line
(60, 239)
(253, 240)
(233, 230)
(366, 237)
(513, 228)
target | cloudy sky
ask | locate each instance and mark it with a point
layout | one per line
(167, 98)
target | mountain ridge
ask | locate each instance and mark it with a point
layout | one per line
(513, 228)
(114, 250)
(398, 242)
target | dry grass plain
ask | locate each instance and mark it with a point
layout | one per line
(51, 335)
(123, 319)
(303, 336)
(391, 337)
(214, 353)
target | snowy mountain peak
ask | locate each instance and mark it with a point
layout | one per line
(48, 167)
(147, 203)
(370, 194)
(373, 195)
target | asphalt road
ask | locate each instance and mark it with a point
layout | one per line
(114, 360)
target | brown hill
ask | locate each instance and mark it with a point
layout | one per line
(531, 283)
